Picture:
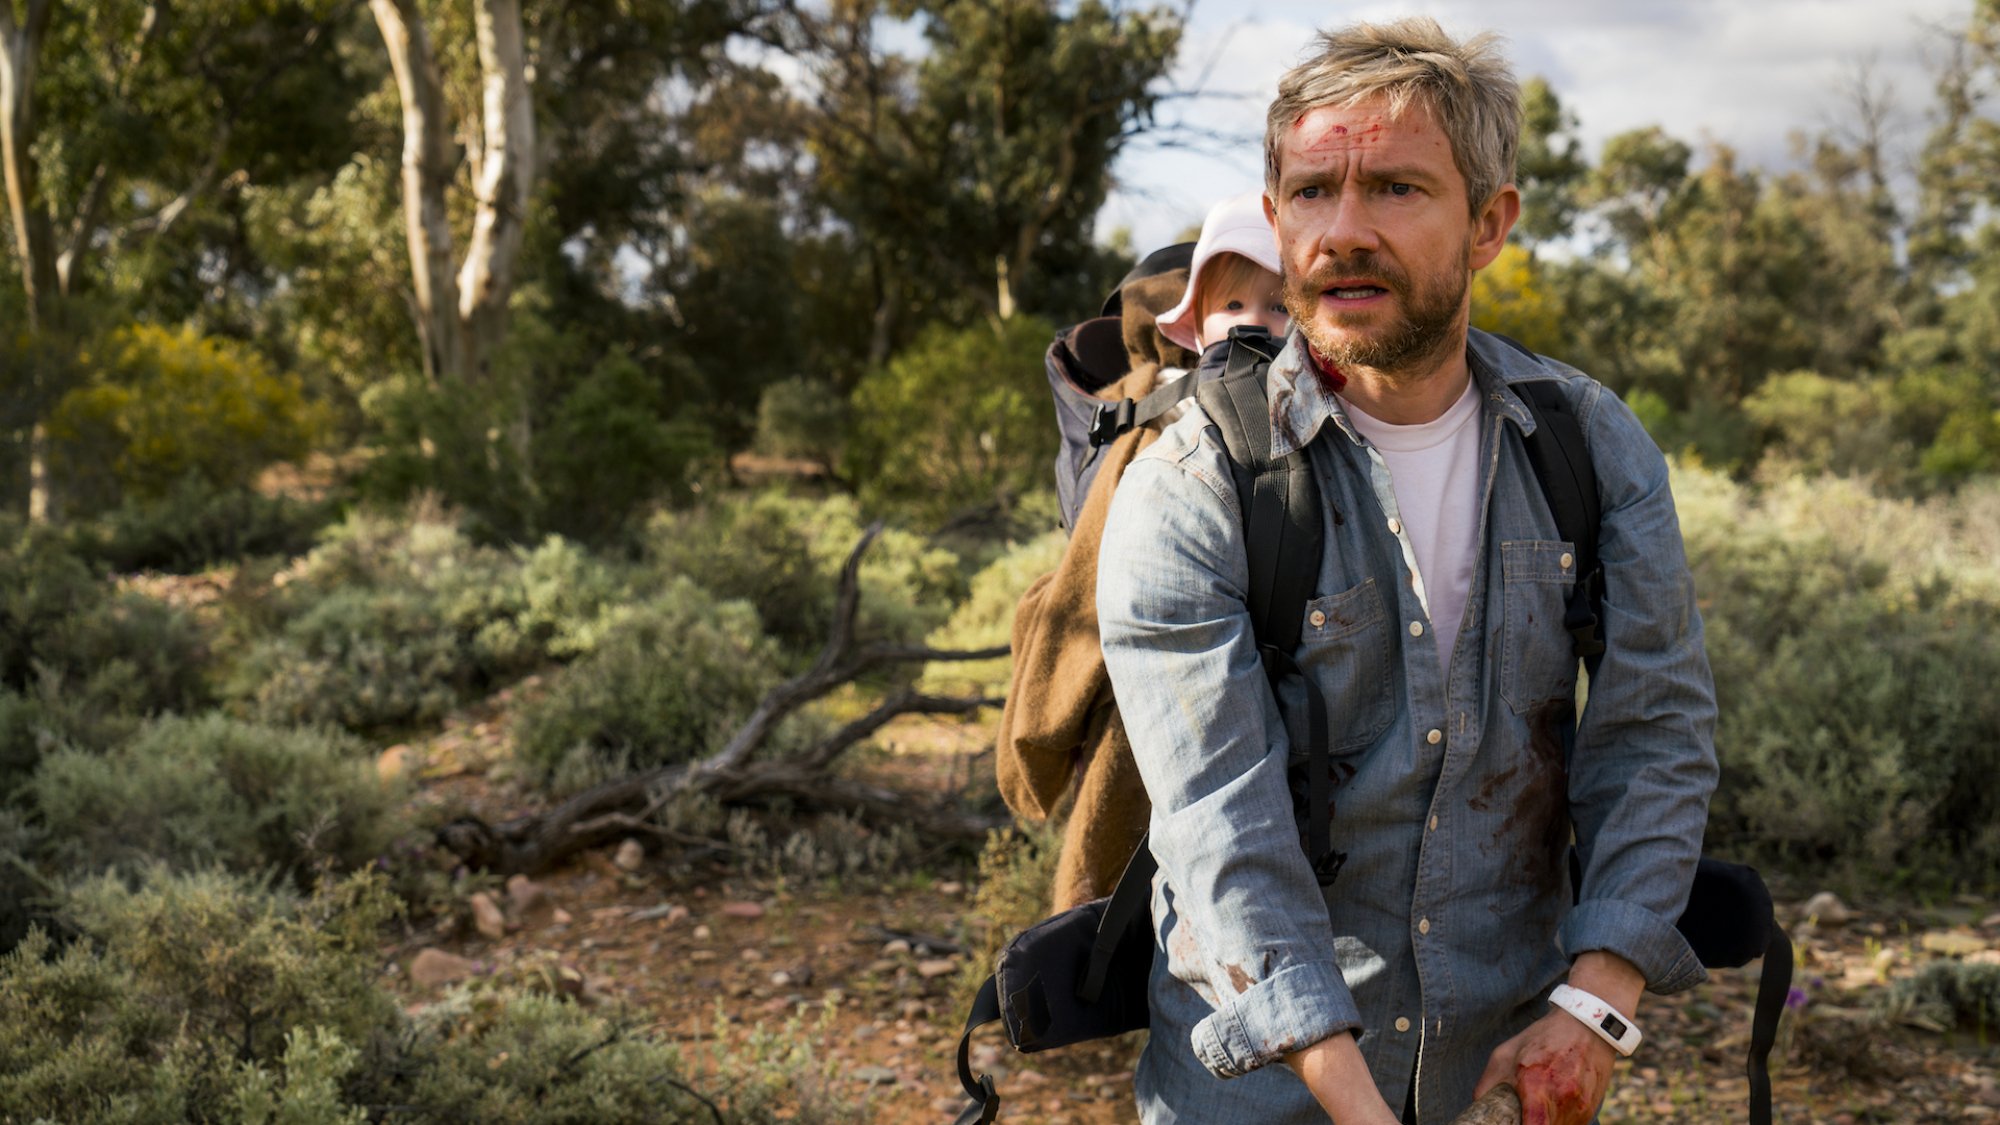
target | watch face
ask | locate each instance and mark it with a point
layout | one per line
(1615, 1026)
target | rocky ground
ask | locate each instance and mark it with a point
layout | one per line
(872, 972)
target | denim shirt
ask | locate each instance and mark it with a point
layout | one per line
(1457, 791)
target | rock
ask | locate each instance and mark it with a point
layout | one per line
(915, 1010)
(486, 916)
(1984, 957)
(1029, 1079)
(703, 933)
(952, 889)
(952, 1106)
(777, 1006)
(434, 968)
(745, 910)
(873, 1075)
(1952, 943)
(396, 762)
(528, 902)
(629, 856)
(701, 955)
(668, 912)
(561, 917)
(1828, 909)
(751, 953)
(896, 948)
(936, 967)
(880, 967)
(1990, 922)
(906, 1039)
(864, 1031)
(781, 979)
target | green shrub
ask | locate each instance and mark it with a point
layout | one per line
(195, 525)
(191, 993)
(1948, 995)
(669, 680)
(957, 421)
(611, 449)
(1851, 640)
(168, 404)
(802, 418)
(64, 631)
(445, 440)
(392, 624)
(783, 555)
(212, 790)
(986, 618)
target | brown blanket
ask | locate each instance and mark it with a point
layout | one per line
(1061, 722)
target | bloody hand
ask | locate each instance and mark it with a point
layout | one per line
(1560, 1068)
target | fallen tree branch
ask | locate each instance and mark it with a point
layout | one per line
(733, 775)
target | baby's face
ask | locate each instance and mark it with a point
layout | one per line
(1260, 303)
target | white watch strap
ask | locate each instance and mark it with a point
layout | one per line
(1611, 1025)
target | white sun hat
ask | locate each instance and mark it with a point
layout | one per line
(1236, 225)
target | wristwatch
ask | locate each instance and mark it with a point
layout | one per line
(1609, 1023)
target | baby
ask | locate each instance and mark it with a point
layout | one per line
(1233, 279)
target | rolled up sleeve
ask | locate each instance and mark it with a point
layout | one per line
(1249, 930)
(1644, 765)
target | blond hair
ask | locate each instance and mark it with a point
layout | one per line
(1468, 87)
(1225, 274)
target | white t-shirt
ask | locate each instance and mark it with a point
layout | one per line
(1434, 472)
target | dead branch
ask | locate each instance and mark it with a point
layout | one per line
(734, 775)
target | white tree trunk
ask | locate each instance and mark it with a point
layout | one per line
(34, 236)
(462, 306)
(506, 180)
(427, 168)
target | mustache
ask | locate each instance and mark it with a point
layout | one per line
(1347, 275)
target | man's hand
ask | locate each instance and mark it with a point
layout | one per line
(1337, 1075)
(1560, 1067)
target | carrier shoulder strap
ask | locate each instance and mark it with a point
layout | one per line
(1561, 460)
(1114, 419)
(1283, 542)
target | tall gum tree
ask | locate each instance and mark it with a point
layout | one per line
(461, 304)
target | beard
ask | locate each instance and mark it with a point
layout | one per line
(1407, 348)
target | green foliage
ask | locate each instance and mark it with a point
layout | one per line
(985, 619)
(783, 554)
(446, 442)
(802, 418)
(191, 994)
(196, 525)
(959, 420)
(64, 633)
(166, 405)
(392, 624)
(1822, 425)
(611, 449)
(669, 679)
(1947, 995)
(1850, 637)
(213, 790)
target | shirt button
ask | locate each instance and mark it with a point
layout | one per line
(1424, 926)
(1434, 737)
(1568, 560)
(1395, 527)
(1318, 619)
(1416, 628)
(1402, 1023)
(1434, 823)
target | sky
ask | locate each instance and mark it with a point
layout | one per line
(1747, 75)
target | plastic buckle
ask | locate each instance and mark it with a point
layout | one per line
(1113, 419)
(1327, 868)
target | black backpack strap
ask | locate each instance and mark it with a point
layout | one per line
(1772, 990)
(1283, 543)
(1129, 899)
(1116, 418)
(985, 1100)
(1561, 460)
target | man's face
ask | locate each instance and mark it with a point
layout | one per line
(1377, 240)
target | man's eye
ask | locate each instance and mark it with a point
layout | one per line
(1402, 189)
(1309, 193)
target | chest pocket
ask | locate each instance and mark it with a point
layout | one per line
(1537, 657)
(1344, 644)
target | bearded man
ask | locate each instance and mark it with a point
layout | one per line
(1432, 966)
